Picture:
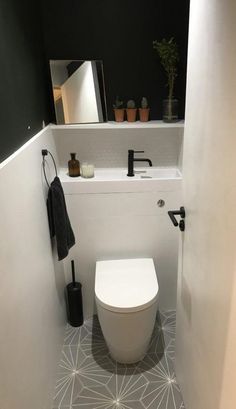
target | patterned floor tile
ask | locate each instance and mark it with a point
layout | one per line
(162, 390)
(157, 344)
(94, 344)
(75, 335)
(170, 350)
(168, 324)
(114, 394)
(89, 378)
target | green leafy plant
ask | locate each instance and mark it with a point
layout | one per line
(144, 103)
(118, 103)
(169, 56)
(131, 104)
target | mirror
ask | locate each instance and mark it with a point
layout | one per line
(78, 91)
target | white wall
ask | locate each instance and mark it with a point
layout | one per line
(205, 346)
(32, 281)
(227, 400)
(79, 96)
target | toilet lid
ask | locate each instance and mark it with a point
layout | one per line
(126, 285)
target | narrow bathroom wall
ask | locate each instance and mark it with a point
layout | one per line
(31, 292)
(205, 341)
(228, 384)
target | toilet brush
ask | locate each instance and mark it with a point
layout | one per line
(73, 273)
(74, 301)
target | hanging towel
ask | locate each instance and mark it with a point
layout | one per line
(59, 223)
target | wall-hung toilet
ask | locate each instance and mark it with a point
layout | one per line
(126, 293)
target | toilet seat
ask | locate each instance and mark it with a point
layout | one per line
(126, 285)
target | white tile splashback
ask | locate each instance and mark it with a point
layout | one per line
(109, 147)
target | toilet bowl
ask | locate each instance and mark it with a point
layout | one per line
(126, 293)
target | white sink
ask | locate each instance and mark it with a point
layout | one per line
(107, 180)
(121, 174)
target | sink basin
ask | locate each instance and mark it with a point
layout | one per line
(121, 174)
(107, 180)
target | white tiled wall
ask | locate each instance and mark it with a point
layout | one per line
(109, 147)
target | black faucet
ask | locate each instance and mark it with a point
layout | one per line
(132, 159)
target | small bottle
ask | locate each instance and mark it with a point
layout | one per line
(73, 166)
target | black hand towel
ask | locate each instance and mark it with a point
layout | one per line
(59, 223)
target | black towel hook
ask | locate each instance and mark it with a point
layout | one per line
(45, 152)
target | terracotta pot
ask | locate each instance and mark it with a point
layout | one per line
(144, 114)
(119, 114)
(131, 114)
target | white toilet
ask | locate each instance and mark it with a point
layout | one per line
(126, 294)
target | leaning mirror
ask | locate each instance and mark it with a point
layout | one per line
(78, 91)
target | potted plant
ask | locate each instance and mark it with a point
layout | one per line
(131, 111)
(119, 110)
(169, 56)
(144, 110)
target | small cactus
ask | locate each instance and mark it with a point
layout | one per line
(144, 103)
(118, 103)
(131, 104)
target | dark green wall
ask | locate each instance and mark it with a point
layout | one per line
(120, 33)
(23, 75)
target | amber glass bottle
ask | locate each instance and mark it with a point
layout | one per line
(73, 166)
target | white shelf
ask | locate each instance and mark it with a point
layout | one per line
(122, 125)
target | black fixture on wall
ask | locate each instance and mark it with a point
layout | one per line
(121, 34)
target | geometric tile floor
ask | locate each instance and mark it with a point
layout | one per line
(88, 378)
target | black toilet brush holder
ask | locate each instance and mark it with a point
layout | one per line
(74, 301)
